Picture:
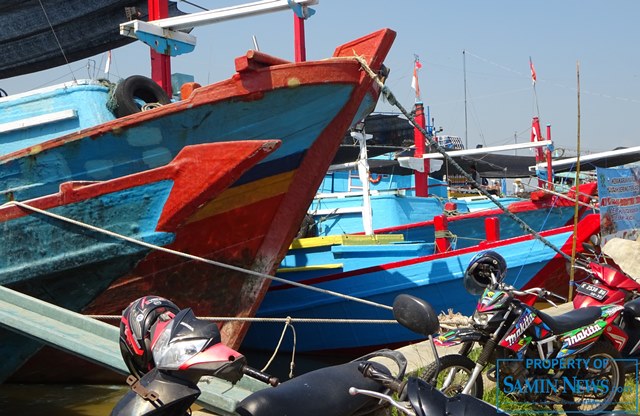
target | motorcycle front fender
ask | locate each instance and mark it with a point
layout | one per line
(174, 396)
(426, 400)
(458, 336)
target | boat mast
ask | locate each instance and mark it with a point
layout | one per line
(364, 175)
(421, 175)
(300, 50)
(160, 63)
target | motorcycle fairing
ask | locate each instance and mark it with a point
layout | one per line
(511, 340)
(609, 311)
(581, 339)
(457, 336)
(491, 300)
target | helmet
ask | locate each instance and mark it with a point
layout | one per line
(137, 325)
(478, 274)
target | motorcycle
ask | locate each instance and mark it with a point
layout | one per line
(523, 340)
(171, 350)
(604, 285)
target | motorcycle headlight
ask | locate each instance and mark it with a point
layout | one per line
(481, 319)
(171, 355)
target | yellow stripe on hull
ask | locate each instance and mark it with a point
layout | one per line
(243, 195)
(309, 268)
(345, 240)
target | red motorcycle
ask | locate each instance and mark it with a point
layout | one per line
(605, 284)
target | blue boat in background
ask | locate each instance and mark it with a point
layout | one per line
(379, 270)
(338, 206)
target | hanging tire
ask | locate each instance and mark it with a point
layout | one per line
(135, 89)
(461, 366)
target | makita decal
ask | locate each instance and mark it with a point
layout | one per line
(521, 326)
(585, 333)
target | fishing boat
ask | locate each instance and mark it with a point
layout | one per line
(307, 105)
(67, 248)
(381, 267)
(374, 193)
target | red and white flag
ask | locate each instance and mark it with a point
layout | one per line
(533, 72)
(414, 80)
(108, 64)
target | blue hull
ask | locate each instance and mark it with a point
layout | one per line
(337, 210)
(154, 142)
(436, 278)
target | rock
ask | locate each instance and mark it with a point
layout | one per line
(626, 254)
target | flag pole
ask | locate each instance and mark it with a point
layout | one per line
(534, 78)
(577, 187)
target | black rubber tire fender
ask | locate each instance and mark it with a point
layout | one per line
(454, 361)
(137, 87)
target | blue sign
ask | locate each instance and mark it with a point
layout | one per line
(619, 192)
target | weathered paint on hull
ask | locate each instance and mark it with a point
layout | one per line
(266, 221)
(70, 266)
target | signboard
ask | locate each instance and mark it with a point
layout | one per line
(619, 192)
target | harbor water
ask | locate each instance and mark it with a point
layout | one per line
(98, 400)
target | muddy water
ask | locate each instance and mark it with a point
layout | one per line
(99, 400)
(58, 400)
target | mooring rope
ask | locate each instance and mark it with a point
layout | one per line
(193, 257)
(274, 320)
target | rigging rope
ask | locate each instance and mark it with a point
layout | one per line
(386, 92)
(53, 31)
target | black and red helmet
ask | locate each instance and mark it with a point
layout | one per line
(482, 268)
(141, 322)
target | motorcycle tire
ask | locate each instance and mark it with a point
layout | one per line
(459, 363)
(601, 349)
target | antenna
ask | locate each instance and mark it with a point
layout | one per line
(464, 71)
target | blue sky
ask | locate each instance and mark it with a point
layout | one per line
(498, 36)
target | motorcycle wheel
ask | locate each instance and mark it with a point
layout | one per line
(455, 371)
(599, 403)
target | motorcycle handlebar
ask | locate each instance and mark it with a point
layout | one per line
(260, 376)
(368, 370)
(540, 292)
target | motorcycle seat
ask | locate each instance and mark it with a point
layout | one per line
(572, 319)
(632, 308)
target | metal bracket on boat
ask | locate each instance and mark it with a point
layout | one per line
(301, 10)
(165, 41)
(165, 36)
(141, 390)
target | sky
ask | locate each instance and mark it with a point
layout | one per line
(597, 40)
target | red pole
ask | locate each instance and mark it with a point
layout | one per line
(299, 41)
(160, 63)
(549, 167)
(535, 137)
(492, 229)
(440, 227)
(422, 178)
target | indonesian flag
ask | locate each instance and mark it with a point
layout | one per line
(533, 72)
(108, 64)
(414, 80)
